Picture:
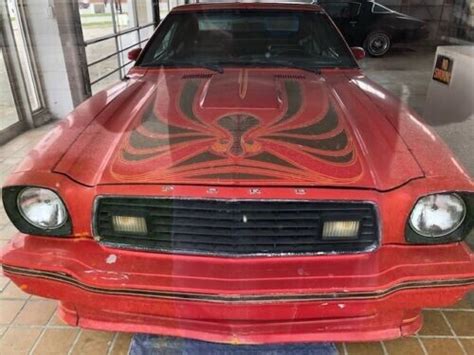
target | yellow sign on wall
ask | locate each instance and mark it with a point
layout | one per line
(443, 69)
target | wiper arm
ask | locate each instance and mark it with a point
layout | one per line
(175, 64)
(282, 64)
(296, 66)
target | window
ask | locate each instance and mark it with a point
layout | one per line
(24, 54)
(339, 10)
(246, 37)
(7, 102)
(380, 9)
(165, 42)
(110, 29)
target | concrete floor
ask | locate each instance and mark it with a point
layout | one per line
(29, 325)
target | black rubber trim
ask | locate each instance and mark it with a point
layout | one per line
(236, 299)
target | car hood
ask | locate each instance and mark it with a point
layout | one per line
(242, 127)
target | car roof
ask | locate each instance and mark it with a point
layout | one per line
(248, 5)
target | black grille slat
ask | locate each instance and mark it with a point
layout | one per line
(218, 238)
(181, 238)
(232, 216)
(232, 206)
(252, 223)
(236, 232)
(235, 227)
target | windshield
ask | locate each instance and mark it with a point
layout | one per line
(248, 37)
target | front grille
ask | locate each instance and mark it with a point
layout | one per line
(244, 227)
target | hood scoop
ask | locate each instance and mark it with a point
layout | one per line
(241, 90)
(196, 76)
(290, 77)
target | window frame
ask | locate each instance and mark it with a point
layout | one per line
(359, 7)
(374, 4)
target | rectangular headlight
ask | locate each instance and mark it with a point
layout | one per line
(340, 229)
(129, 224)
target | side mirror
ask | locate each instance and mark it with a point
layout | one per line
(359, 52)
(134, 53)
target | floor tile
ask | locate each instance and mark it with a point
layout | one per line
(466, 303)
(340, 348)
(434, 324)
(92, 342)
(56, 341)
(4, 242)
(437, 346)
(3, 216)
(14, 161)
(468, 345)
(3, 329)
(374, 348)
(17, 341)
(8, 231)
(9, 310)
(3, 282)
(406, 346)
(121, 344)
(36, 313)
(38, 298)
(461, 322)
(12, 291)
(55, 320)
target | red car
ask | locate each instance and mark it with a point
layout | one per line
(246, 184)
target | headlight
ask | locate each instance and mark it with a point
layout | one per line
(42, 208)
(438, 215)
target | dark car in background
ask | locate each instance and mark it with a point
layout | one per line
(372, 25)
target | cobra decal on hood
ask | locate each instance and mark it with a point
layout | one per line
(242, 127)
(238, 145)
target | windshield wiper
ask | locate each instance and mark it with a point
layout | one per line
(283, 64)
(177, 63)
(294, 66)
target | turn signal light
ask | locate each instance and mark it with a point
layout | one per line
(129, 224)
(340, 229)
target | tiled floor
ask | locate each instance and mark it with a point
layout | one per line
(29, 325)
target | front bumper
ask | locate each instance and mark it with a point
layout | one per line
(352, 297)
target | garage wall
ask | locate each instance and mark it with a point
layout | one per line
(449, 20)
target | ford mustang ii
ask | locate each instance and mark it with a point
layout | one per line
(245, 184)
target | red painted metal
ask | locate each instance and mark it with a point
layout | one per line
(371, 166)
(340, 318)
(134, 54)
(107, 146)
(359, 52)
